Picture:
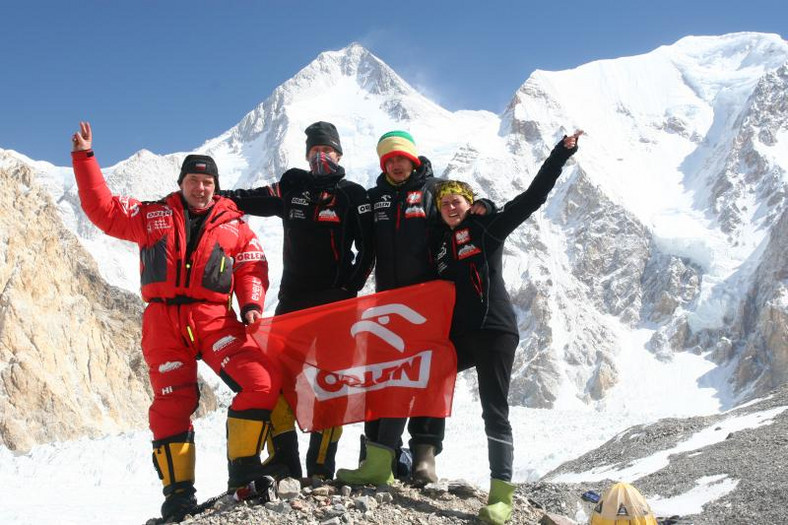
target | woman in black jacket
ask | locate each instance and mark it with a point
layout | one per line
(484, 326)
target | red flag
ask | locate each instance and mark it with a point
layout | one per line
(382, 355)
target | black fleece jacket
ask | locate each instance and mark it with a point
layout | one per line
(471, 254)
(406, 223)
(403, 217)
(323, 218)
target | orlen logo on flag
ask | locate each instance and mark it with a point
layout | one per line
(412, 372)
(382, 355)
(376, 326)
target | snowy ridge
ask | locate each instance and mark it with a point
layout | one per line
(679, 174)
(660, 249)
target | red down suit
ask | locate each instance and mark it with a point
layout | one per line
(189, 315)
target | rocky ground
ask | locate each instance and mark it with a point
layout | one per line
(442, 503)
(754, 456)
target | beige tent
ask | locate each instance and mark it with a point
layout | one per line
(622, 504)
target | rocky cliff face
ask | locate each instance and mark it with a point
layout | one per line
(70, 363)
(761, 328)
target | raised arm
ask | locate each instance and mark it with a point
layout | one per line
(114, 215)
(521, 207)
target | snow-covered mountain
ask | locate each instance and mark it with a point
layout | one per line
(659, 230)
(652, 283)
(657, 235)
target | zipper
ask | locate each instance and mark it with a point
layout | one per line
(179, 261)
(334, 246)
(476, 280)
(188, 273)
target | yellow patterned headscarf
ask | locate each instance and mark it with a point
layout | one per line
(453, 187)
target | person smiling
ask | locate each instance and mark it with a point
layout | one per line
(484, 327)
(405, 218)
(195, 253)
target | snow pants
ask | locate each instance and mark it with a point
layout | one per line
(491, 352)
(174, 336)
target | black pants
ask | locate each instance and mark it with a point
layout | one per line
(422, 430)
(492, 354)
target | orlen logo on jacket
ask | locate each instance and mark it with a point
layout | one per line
(249, 257)
(411, 372)
(158, 213)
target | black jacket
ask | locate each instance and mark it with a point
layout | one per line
(403, 217)
(323, 217)
(406, 224)
(471, 254)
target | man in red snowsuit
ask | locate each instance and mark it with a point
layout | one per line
(195, 251)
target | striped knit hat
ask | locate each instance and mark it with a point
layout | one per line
(396, 143)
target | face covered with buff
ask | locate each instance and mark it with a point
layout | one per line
(323, 148)
(323, 160)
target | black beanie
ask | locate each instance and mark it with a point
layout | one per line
(322, 134)
(199, 164)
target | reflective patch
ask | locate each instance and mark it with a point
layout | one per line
(230, 226)
(327, 215)
(223, 343)
(467, 251)
(414, 211)
(159, 224)
(258, 291)
(169, 366)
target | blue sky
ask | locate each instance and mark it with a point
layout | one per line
(168, 75)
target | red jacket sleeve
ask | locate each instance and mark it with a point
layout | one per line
(250, 271)
(119, 217)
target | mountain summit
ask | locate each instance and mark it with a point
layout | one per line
(658, 249)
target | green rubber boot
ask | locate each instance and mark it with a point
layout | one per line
(499, 504)
(374, 470)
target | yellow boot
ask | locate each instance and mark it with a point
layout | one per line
(247, 431)
(174, 459)
(283, 459)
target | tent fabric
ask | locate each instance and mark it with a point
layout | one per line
(622, 504)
